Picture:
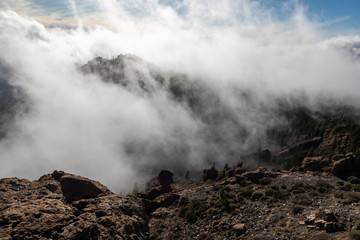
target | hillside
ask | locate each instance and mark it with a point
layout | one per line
(237, 204)
(282, 168)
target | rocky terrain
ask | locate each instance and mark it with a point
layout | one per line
(64, 206)
(230, 204)
(303, 183)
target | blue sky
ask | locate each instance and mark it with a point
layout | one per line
(337, 16)
(344, 14)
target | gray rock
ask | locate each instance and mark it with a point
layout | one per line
(239, 228)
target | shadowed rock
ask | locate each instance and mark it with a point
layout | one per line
(314, 163)
(76, 188)
(165, 179)
(158, 185)
(345, 166)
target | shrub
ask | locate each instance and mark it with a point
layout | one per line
(302, 200)
(182, 211)
(191, 211)
(346, 187)
(245, 192)
(191, 217)
(323, 187)
(357, 225)
(339, 195)
(354, 234)
(354, 180)
(183, 201)
(270, 192)
(340, 183)
(264, 181)
(351, 197)
(224, 198)
(256, 196)
(297, 209)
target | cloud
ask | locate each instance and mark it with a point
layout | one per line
(239, 55)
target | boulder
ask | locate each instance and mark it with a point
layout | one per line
(76, 188)
(38, 210)
(157, 186)
(314, 163)
(258, 174)
(165, 179)
(329, 216)
(239, 228)
(346, 166)
(331, 227)
(162, 182)
(254, 176)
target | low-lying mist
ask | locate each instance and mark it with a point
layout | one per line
(200, 82)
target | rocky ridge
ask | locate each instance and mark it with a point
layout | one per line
(65, 206)
(238, 204)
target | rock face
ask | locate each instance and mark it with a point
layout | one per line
(346, 165)
(259, 204)
(65, 206)
(314, 163)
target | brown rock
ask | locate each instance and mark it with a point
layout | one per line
(38, 210)
(76, 187)
(310, 219)
(320, 223)
(331, 227)
(165, 178)
(329, 216)
(254, 176)
(239, 229)
(314, 163)
(346, 166)
(162, 182)
(258, 174)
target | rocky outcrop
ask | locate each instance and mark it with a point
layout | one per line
(165, 179)
(336, 144)
(346, 165)
(76, 188)
(292, 205)
(155, 195)
(258, 174)
(65, 206)
(314, 163)
(301, 146)
(158, 185)
(323, 220)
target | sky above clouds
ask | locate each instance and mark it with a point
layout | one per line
(337, 17)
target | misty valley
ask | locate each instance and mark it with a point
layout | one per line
(178, 120)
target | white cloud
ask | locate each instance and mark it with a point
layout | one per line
(82, 125)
